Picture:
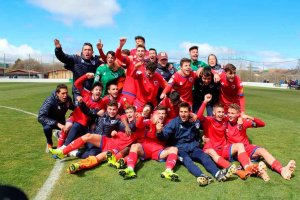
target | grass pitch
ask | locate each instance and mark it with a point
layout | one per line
(25, 164)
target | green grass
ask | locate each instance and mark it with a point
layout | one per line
(25, 165)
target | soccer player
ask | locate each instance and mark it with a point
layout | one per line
(182, 133)
(118, 142)
(151, 147)
(232, 90)
(108, 72)
(237, 134)
(171, 103)
(53, 111)
(90, 104)
(79, 65)
(147, 84)
(139, 41)
(114, 95)
(215, 128)
(195, 63)
(205, 85)
(182, 81)
(129, 90)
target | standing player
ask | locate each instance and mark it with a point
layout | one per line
(152, 148)
(182, 81)
(237, 134)
(79, 65)
(182, 133)
(147, 84)
(232, 90)
(53, 111)
(195, 63)
(129, 90)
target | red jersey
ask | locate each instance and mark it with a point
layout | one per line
(147, 88)
(231, 92)
(172, 110)
(129, 86)
(237, 132)
(213, 129)
(77, 115)
(183, 85)
(122, 102)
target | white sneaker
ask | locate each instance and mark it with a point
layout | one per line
(288, 170)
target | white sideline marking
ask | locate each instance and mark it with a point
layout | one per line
(48, 186)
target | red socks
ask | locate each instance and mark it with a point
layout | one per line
(171, 161)
(73, 145)
(61, 138)
(223, 163)
(244, 159)
(132, 159)
(276, 166)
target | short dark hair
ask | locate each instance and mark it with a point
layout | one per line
(61, 86)
(151, 66)
(141, 46)
(111, 53)
(111, 83)
(184, 105)
(192, 48)
(152, 49)
(126, 51)
(229, 67)
(161, 107)
(97, 84)
(150, 105)
(207, 72)
(139, 37)
(112, 103)
(87, 44)
(130, 107)
(183, 60)
(174, 97)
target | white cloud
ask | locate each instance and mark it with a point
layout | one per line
(91, 13)
(10, 53)
(206, 49)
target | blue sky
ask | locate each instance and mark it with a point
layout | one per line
(264, 31)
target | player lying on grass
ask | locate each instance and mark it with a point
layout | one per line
(215, 128)
(237, 127)
(150, 147)
(183, 134)
(118, 142)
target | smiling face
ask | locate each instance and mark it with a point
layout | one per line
(212, 60)
(129, 112)
(218, 113)
(140, 53)
(112, 111)
(113, 91)
(194, 54)
(186, 68)
(233, 114)
(230, 75)
(162, 115)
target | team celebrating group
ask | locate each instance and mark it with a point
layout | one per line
(133, 105)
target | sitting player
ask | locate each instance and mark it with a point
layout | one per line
(237, 134)
(152, 148)
(118, 142)
(182, 133)
(215, 128)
